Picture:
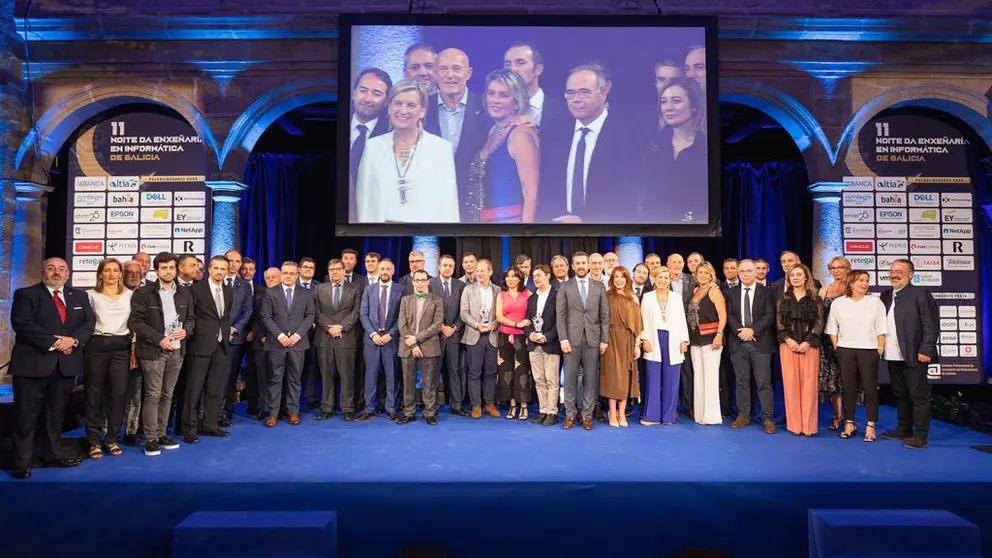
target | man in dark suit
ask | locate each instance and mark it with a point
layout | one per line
(241, 310)
(731, 275)
(368, 120)
(288, 314)
(379, 315)
(420, 317)
(52, 323)
(524, 264)
(751, 343)
(457, 115)
(258, 362)
(349, 259)
(417, 263)
(527, 61)
(583, 323)
(207, 351)
(543, 348)
(559, 271)
(311, 374)
(449, 362)
(337, 305)
(910, 348)
(730, 280)
(788, 259)
(642, 286)
(585, 157)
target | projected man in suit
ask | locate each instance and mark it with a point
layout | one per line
(338, 303)
(419, 64)
(241, 311)
(478, 313)
(207, 351)
(288, 313)
(379, 315)
(457, 115)
(368, 120)
(420, 318)
(527, 61)
(583, 321)
(52, 323)
(585, 158)
(695, 65)
(751, 342)
(450, 364)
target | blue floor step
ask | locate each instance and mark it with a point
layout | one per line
(273, 534)
(891, 534)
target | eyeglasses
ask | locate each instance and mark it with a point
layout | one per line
(581, 93)
(416, 261)
(336, 269)
(836, 267)
(420, 280)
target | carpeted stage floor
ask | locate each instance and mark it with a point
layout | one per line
(495, 487)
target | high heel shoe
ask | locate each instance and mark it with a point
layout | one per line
(848, 435)
(512, 414)
(870, 433)
(613, 420)
(835, 425)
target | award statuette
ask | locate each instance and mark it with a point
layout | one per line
(538, 323)
(485, 317)
(175, 326)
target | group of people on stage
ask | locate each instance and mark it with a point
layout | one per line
(428, 149)
(154, 332)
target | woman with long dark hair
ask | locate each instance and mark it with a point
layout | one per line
(618, 365)
(513, 362)
(800, 326)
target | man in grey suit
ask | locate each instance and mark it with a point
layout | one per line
(421, 315)
(287, 313)
(337, 304)
(478, 310)
(584, 331)
(450, 363)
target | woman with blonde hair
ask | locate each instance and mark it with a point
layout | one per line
(407, 175)
(618, 365)
(105, 359)
(706, 315)
(664, 341)
(831, 384)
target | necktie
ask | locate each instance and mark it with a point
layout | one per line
(219, 301)
(306, 285)
(447, 290)
(289, 298)
(383, 294)
(357, 149)
(229, 282)
(60, 306)
(747, 307)
(638, 291)
(579, 175)
(583, 292)
(347, 278)
(337, 295)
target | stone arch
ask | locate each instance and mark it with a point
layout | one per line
(253, 122)
(42, 143)
(967, 106)
(804, 128)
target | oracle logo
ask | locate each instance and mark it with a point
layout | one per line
(87, 247)
(859, 246)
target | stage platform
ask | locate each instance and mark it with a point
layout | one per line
(494, 487)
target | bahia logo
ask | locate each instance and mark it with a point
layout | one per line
(125, 199)
(924, 199)
(894, 199)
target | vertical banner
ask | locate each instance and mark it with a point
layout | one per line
(136, 184)
(920, 205)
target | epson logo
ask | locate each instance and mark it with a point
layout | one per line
(958, 231)
(890, 215)
(125, 215)
(892, 199)
(858, 199)
(924, 199)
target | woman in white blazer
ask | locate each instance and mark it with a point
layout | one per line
(407, 175)
(664, 340)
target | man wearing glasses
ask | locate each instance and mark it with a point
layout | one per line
(582, 159)
(421, 316)
(417, 263)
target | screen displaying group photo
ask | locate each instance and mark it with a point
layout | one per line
(468, 124)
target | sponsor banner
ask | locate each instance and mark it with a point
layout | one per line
(891, 231)
(190, 198)
(959, 263)
(924, 199)
(89, 199)
(890, 199)
(90, 184)
(924, 215)
(872, 278)
(122, 199)
(84, 280)
(155, 245)
(122, 247)
(893, 246)
(89, 215)
(189, 230)
(948, 337)
(927, 263)
(956, 199)
(122, 230)
(122, 215)
(188, 246)
(948, 311)
(967, 311)
(958, 231)
(859, 183)
(890, 183)
(158, 214)
(123, 183)
(948, 324)
(969, 337)
(858, 215)
(85, 263)
(968, 324)
(959, 247)
(156, 230)
(858, 199)
(890, 215)
(928, 278)
(88, 231)
(968, 351)
(885, 262)
(859, 261)
(859, 246)
(924, 247)
(859, 230)
(163, 199)
(948, 351)
(883, 277)
(957, 215)
(924, 231)
(87, 247)
(190, 215)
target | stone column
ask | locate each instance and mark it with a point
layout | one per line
(29, 234)
(828, 240)
(224, 228)
(631, 251)
(12, 101)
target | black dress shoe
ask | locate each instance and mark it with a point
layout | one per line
(348, 417)
(405, 420)
(363, 416)
(431, 420)
(550, 420)
(392, 416)
(324, 416)
(64, 463)
(21, 473)
(460, 413)
(191, 439)
(313, 405)
(539, 419)
(216, 433)
(261, 415)
(225, 422)
(131, 440)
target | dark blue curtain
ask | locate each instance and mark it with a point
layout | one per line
(765, 209)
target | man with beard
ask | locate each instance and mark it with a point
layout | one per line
(418, 64)
(368, 120)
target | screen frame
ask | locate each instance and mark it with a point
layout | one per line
(713, 228)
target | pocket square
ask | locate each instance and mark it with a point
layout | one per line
(77, 307)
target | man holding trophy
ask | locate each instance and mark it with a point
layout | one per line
(478, 310)
(542, 345)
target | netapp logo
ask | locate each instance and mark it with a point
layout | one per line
(189, 230)
(122, 183)
(896, 199)
(90, 199)
(890, 183)
(958, 231)
(90, 183)
(953, 199)
(859, 246)
(924, 199)
(956, 216)
(857, 215)
(890, 215)
(859, 230)
(858, 199)
(924, 247)
(859, 183)
(122, 215)
(891, 231)
(959, 263)
(95, 215)
(923, 215)
(156, 198)
(125, 199)
(893, 246)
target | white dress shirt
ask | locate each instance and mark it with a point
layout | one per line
(595, 127)
(451, 122)
(542, 299)
(111, 315)
(678, 283)
(750, 301)
(537, 107)
(431, 187)
(892, 349)
(857, 324)
(487, 300)
(292, 290)
(370, 125)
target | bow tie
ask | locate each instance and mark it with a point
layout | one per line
(421, 295)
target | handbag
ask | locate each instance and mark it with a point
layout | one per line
(711, 328)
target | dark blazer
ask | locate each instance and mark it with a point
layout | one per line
(369, 313)
(778, 286)
(725, 286)
(452, 306)
(475, 131)
(345, 316)
(554, 112)
(609, 166)
(645, 289)
(147, 321)
(688, 285)
(241, 310)
(556, 282)
(917, 322)
(550, 326)
(314, 283)
(256, 326)
(429, 337)
(208, 323)
(279, 319)
(35, 321)
(762, 318)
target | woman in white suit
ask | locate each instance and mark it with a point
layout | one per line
(664, 341)
(407, 175)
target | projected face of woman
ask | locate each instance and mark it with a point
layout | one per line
(405, 111)
(499, 101)
(675, 106)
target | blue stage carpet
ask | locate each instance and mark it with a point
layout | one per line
(495, 487)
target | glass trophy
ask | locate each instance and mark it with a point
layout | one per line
(538, 323)
(175, 326)
(485, 317)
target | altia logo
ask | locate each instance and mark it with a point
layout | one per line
(123, 183)
(890, 183)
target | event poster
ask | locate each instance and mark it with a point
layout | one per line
(136, 184)
(920, 205)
